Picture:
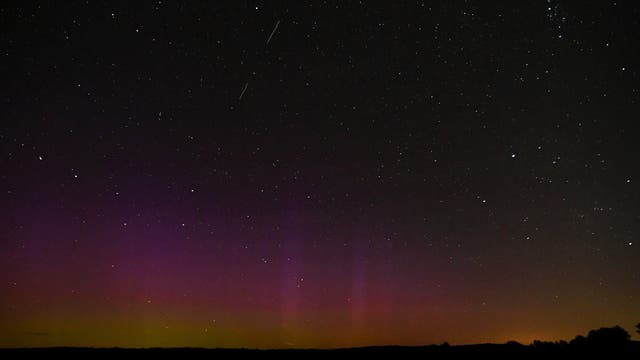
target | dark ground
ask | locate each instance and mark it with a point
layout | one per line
(629, 350)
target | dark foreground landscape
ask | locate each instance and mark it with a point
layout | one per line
(492, 351)
(605, 342)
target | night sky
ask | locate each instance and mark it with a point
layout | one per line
(317, 174)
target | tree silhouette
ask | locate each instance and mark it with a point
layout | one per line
(578, 341)
(608, 336)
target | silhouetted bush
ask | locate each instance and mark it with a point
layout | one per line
(611, 336)
(578, 341)
(543, 346)
(513, 343)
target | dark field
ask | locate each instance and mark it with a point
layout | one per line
(493, 351)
